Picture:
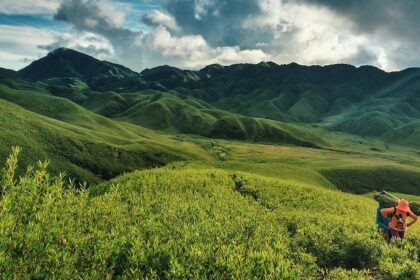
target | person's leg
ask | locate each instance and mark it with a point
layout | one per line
(402, 233)
(387, 235)
(394, 233)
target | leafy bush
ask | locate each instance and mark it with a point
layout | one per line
(190, 223)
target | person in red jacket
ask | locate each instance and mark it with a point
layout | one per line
(398, 222)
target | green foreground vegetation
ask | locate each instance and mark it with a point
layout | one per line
(181, 222)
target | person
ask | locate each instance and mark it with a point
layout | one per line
(399, 214)
(383, 224)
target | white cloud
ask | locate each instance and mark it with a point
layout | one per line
(20, 44)
(28, 6)
(86, 42)
(201, 8)
(158, 18)
(192, 51)
(306, 34)
(198, 32)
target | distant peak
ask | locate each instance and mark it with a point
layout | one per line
(66, 51)
(62, 49)
(160, 69)
(267, 64)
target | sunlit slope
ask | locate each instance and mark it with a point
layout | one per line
(166, 111)
(202, 223)
(86, 153)
(350, 167)
(174, 113)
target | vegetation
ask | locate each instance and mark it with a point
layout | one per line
(88, 147)
(232, 172)
(364, 101)
(192, 223)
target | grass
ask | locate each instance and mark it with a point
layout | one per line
(98, 149)
(193, 222)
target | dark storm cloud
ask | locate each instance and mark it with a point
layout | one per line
(399, 18)
(394, 24)
(219, 22)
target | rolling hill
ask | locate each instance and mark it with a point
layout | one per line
(364, 101)
(89, 147)
(267, 103)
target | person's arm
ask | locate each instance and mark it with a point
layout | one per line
(386, 211)
(414, 217)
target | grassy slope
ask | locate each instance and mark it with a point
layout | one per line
(182, 112)
(87, 146)
(175, 113)
(350, 165)
(168, 111)
(196, 222)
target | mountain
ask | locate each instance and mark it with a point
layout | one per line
(69, 63)
(66, 63)
(7, 71)
(364, 100)
(215, 100)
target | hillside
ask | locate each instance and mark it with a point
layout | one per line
(246, 171)
(167, 111)
(364, 101)
(89, 147)
(194, 223)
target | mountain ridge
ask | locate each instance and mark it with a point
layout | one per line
(364, 100)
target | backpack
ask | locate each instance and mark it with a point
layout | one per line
(381, 221)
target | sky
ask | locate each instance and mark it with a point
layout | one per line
(191, 34)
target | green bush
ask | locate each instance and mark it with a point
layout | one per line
(190, 223)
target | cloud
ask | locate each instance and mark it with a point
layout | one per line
(383, 33)
(104, 18)
(287, 31)
(192, 51)
(157, 18)
(165, 43)
(19, 44)
(28, 6)
(219, 22)
(94, 15)
(191, 33)
(89, 43)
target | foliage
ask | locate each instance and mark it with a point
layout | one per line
(191, 223)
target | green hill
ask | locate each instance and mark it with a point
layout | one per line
(91, 153)
(177, 113)
(194, 223)
(364, 101)
(89, 147)
(230, 172)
